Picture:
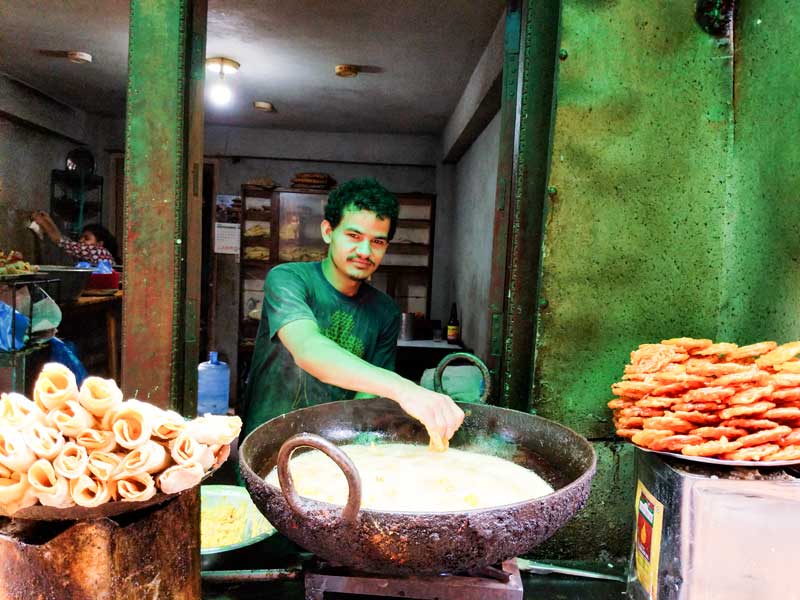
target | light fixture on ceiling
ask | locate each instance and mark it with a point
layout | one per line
(347, 70)
(219, 93)
(264, 106)
(222, 65)
(79, 57)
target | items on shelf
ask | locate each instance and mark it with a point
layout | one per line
(262, 182)
(313, 181)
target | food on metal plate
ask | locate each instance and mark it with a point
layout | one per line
(712, 399)
(87, 446)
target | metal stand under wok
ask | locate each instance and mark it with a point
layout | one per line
(493, 583)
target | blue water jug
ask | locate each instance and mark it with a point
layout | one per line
(213, 383)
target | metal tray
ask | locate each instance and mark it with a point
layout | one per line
(722, 462)
(83, 513)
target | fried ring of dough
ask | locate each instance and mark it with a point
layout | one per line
(720, 349)
(668, 423)
(755, 453)
(786, 394)
(709, 394)
(704, 366)
(785, 380)
(793, 366)
(655, 402)
(716, 433)
(698, 417)
(750, 423)
(632, 389)
(779, 355)
(687, 343)
(627, 433)
(787, 453)
(635, 411)
(751, 395)
(712, 448)
(700, 406)
(746, 409)
(675, 389)
(754, 375)
(783, 413)
(752, 350)
(630, 422)
(674, 443)
(791, 439)
(765, 436)
(665, 377)
(647, 436)
(618, 403)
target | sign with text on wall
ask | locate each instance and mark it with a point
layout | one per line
(227, 238)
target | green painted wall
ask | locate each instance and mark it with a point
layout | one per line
(666, 218)
(762, 266)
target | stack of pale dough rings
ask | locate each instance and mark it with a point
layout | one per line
(86, 446)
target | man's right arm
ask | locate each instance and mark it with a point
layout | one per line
(332, 364)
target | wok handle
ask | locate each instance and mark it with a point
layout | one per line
(340, 458)
(487, 378)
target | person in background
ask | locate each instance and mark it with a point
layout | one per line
(326, 334)
(95, 244)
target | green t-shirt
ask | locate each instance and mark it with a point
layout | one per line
(366, 324)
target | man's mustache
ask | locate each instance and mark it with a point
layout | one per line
(357, 257)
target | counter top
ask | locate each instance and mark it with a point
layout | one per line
(443, 345)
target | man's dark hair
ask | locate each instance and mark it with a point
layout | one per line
(366, 194)
(102, 234)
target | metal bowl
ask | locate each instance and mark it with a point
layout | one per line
(401, 543)
(73, 281)
(221, 502)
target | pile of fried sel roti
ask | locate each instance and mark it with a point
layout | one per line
(708, 399)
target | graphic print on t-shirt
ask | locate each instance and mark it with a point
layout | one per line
(340, 331)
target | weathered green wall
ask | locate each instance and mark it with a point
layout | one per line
(762, 266)
(666, 218)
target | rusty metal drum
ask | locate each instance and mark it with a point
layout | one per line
(402, 543)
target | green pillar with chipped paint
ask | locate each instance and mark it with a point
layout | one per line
(163, 160)
(668, 208)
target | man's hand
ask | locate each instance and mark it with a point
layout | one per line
(440, 415)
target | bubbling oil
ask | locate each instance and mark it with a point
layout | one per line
(411, 478)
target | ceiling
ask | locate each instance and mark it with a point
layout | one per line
(419, 55)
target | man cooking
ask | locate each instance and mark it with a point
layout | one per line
(326, 334)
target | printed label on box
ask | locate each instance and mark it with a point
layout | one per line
(649, 519)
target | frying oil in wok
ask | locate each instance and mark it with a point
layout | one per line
(411, 478)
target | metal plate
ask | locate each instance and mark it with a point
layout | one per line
(83, 513)
(722, 462)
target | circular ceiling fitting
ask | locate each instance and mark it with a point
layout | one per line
(347, 70)
(79, 57)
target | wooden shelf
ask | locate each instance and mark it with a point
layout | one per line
(255, 214)
(257, 191)
(408, 248)
(414, 223)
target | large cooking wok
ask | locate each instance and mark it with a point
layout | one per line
(400, 543)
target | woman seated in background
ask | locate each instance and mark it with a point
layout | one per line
(95, 244)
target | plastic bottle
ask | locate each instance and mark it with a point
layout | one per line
(213, 381)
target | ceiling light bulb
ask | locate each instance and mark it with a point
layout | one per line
(220, 94)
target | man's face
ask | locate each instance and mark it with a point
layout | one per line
(358, 243)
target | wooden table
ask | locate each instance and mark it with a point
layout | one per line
(109, 309)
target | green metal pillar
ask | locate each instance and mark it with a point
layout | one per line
(162, 192)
